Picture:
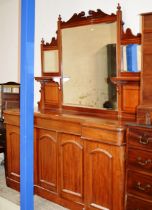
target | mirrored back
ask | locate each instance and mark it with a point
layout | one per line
(88, 61)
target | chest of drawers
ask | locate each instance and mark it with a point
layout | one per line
(139, 168)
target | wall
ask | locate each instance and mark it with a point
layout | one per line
(47, 12)
(9, 44)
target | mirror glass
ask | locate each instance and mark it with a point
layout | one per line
(131, 58)
(50, 61)
(88, 62)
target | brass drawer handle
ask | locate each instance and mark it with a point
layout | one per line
(143, 162)
(145, 189)
(144, 140)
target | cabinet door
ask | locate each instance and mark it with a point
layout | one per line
(46, 147)
(13, 152)
(104, 176)
(71, 167)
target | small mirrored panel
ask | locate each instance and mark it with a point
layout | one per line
(131, 58)
(50, 61)
(88, 62)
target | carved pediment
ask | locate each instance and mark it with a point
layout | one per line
(82, 19)
(129, 38)
(53, 43)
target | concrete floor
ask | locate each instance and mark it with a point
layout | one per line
(7, 205)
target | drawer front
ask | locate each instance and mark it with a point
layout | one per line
(139, 184)
(140, 160)
(140, 138)
(58, 125)
(103, 135)
(137, 204)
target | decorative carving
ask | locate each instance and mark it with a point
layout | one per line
(76, 17)
(82, 19)
(53, 43)
(129, 38)
(98, 14)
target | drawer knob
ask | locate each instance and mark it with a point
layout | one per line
(143, 162)
(145, 188)
(0, 134)
(144, 140)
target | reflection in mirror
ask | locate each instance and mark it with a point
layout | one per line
(88, 63)
(131, 58)
(50, 61)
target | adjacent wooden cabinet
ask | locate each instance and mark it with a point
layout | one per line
(139, 168)
(13, 155)
(79, 162)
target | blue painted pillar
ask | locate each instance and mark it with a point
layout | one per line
(27, 104)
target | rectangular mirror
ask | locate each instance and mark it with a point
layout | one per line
(88, 62)
(50, 61)
(49, 58)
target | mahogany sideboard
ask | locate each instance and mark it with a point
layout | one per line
(79, 161)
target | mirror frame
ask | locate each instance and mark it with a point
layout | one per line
(53, 45)
(122, 78)
(93, 17)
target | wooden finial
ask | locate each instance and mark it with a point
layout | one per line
(42, 41)
(119, 7)
(59, 18)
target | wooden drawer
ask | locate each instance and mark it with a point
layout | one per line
(137, 204)
(139, 184)
(58, 125)
(140, 138)
(140, 160)
(103, 135)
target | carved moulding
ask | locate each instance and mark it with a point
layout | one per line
(128, 37)
(83, 19)
(53, 43)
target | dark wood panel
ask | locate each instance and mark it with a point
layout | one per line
(139, 184)
(130, 97)
(47, 159)
(147, 21)
(140, 160)
(147, 43)
(99, 161)
(13, 152)
(102, 165)
(146, 73)
(71, 167)
(138, 137)
(138, 204)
